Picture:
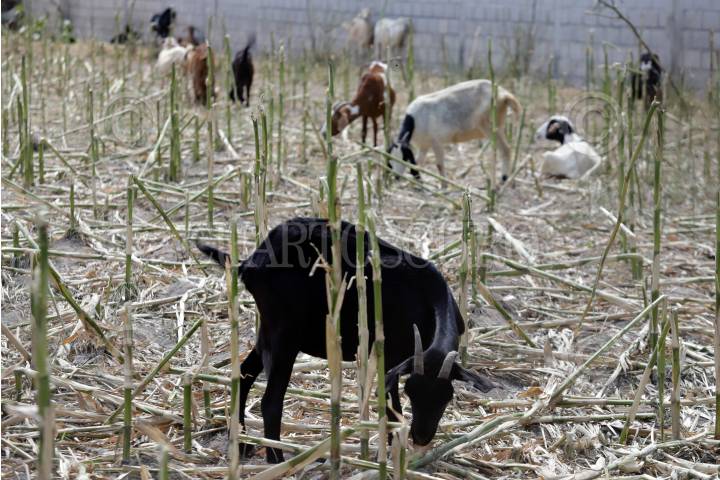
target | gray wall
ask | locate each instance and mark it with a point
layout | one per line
(679, 30)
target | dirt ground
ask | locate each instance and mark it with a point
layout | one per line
(546, 242)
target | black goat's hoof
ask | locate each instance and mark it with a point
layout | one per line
(274, 455)
(246, 450)
(504, 178)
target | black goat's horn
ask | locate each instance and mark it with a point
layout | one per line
(418, 357)
(447, 365)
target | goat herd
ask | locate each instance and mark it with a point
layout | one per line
(423, 322)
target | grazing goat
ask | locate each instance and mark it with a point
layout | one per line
(243, 71)
(392, 33)
(127, 35)
(172, 53)
(647, 84)
(162, 23)
(194, 37)
(198, 69)
(422, 322)
(369, 102)
(455, 114)
(12, 14)
(574, 158)
(360, 30)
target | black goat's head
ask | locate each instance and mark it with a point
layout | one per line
(429, 387)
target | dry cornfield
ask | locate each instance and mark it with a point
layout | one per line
(604, 361)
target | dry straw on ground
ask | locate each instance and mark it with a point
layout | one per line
(570, 370)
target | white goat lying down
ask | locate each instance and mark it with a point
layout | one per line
(171, 53)
(574, 158)
(455, 114)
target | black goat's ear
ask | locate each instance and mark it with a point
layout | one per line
(393, 375)
(481, 383)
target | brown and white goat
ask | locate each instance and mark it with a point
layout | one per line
(198, 68)
(369, 102)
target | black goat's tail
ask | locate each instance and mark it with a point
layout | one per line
(220, 257)
(248, 46)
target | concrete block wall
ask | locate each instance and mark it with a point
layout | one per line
(557, 31)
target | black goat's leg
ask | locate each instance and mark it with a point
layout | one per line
(393, 407)
(374, 120)
(279, 365)
(364, 129)
(249, 371)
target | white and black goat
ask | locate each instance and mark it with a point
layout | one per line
(647, 85)
(574, 158)
(455, 114)
(422, 323)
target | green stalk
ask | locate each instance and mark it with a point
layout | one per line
(659, 351)
(174, 172)
(5, 131)
(129, 240)
(379, 347)
(516, 154)
(210, 169)
(94, 154)
(231, 278)
(411, 64)
(305, 111)
(657, 224)
(128, 383)
(164, 471)
(335, 288)
(196, 140)
(260, 175)
(675, 396)
(464, 266)
(39, 299)
(281, 108)
(493, 122)
(16, 244)
(73, 218)
(229, 84)
(363, 331)
(387, 110)
(41, 162)
(187, 412)
(26, 149)
(550, 82)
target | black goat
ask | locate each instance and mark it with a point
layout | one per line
(422, 323)
(127, 35)
(162, 23)
(243, 71)
(647, 84)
